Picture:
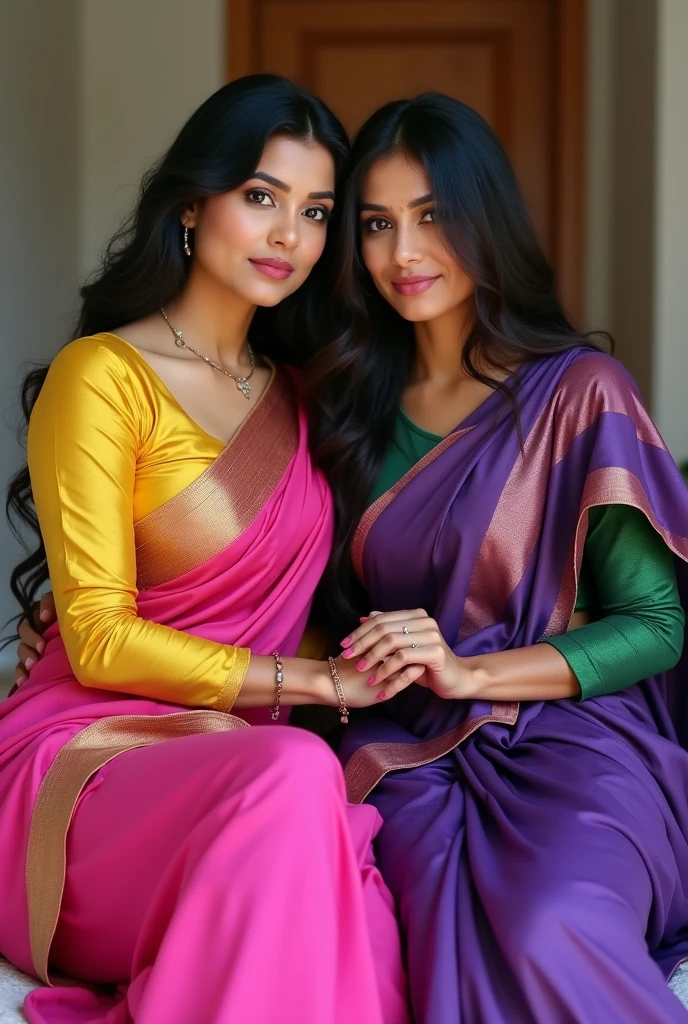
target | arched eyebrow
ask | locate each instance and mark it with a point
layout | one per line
(421, 201)
(283, 187)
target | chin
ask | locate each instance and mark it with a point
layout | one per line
(415, 310)
(271, 292)
(267, 296)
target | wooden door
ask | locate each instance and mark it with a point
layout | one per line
(518, 62)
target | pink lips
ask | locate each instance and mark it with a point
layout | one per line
(413, 285)
(277, 269)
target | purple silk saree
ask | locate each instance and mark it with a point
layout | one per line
(538, 853)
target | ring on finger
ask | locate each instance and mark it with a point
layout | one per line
(405, 630)
(414, 647)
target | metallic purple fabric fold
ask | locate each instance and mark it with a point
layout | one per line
(536, 852)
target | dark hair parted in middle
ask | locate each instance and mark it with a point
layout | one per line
(355, 383)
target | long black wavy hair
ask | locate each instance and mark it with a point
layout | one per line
(144, 268)
(355, 383)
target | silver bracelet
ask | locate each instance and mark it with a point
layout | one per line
(279, 679)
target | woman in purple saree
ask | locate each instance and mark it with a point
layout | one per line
(532, 789)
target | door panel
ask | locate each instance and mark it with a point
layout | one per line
(510, 59)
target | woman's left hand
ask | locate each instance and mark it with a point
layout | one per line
(412, 650)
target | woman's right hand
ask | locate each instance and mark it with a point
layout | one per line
(32, 644)
(357, 690)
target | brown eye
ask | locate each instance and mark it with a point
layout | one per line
(428, 217)
(259, 197)
(377, 224)
(317, 214)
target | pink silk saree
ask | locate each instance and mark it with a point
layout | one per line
(235, 558)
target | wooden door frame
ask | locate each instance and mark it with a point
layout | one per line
(568, 213)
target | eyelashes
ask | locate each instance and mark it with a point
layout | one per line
(256, 196)
(374, 225)
(262, 197)
(322, 214)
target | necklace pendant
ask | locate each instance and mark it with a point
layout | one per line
(243, 386)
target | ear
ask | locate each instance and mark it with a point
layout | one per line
(189, 216)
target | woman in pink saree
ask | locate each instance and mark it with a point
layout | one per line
(152, 841)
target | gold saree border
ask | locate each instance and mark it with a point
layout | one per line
(512, 535)
(378, 507)
(612, 485)
(75, 763)
(371, 762)
(216, 508)
(234, 681)
(582, 402)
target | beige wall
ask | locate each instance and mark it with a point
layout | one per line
(145, 66)
(620, 178)
(38, 238)
(670, 392)
(599, 162)
(637, 216)
(632, 200)
(91, 92)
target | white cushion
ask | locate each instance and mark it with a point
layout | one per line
(13, 988)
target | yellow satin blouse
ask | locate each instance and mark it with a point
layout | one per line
(107, 445)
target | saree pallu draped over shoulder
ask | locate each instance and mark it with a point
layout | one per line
(234, 558)
(499, 532)
(492, 535)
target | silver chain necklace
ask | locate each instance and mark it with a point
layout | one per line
(242, 383)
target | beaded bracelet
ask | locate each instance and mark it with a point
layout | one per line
(279, 679)
(343, 710)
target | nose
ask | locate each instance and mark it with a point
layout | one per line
(407, 250)
(285, 232)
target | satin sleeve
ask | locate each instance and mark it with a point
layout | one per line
(86, 431)
(631, 585)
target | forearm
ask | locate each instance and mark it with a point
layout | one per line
(305, 682)
(532, 673)
(125, 653)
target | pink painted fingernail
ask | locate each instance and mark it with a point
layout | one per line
(348, 654)
(371, 680)
(382, 695)
(361, 665)
(44, 615)
(346, 642)
(40, 646)
(363, 618)
(29, 664)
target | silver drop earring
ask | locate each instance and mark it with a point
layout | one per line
(187, 250)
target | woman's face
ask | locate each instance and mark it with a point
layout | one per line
(262, 240)
(402, 245)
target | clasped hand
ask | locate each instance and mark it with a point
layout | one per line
(396, 649)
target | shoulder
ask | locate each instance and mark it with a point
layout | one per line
(92, 377)
(590, 369)
(95, 357)
(599, 379)
(102, 367)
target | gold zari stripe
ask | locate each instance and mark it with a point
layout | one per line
(213, 511)
(74, 765)
(235, 680)
(371, 762)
